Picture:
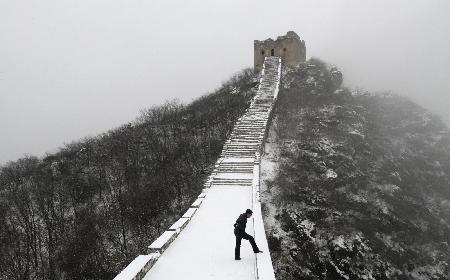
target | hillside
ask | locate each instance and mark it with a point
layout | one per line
(88, 210)
(355, 185)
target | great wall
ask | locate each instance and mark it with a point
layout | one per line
(200, 245)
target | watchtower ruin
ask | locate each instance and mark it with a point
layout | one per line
(289, 47)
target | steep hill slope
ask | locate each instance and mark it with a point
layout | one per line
(356, 185)
(87, 211)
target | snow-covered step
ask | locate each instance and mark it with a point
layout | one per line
(257, 136)
(238, 153)
(231, 167)
(237, 142)
(243, 145)
(247, 132)
(240, 150)
(255, 131)
(245, 136)
(234, 148)
(228, 168)
(236, 170)
(249, 140)
(236, 164)
(236, 160)
(232, 183)
(231, 162)
(231, 176)
(242, 155)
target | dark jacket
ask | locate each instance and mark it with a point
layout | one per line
(241, 223)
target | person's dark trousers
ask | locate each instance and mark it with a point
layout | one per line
(237, 249)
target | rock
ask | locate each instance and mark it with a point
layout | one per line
(336, 77)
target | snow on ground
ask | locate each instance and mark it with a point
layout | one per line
(205, 248)
(356, 132)
(331, 174)
(269, 167)
(327, 146)
(308, 227)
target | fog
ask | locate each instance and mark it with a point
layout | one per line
(71, 69)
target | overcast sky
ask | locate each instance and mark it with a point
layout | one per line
(70, 69)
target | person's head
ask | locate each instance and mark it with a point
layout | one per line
(249, 213)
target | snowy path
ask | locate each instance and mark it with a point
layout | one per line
(204, 248)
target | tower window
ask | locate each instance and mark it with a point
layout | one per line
(263, 52)
(284, 49)
(272, 52)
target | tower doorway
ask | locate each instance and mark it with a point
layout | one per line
(272, 52)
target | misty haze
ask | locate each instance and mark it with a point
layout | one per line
(72, 69)
(149, 140)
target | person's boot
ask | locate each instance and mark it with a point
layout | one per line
(237, 254)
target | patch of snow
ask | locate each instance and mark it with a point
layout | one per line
(234, 90)
(311, 80)
(309, 153)
(427, 272)
(361, 198)
(330, 174)
(326, 146)
(329, 110)
(339, 242)
(382, 205)
(356, 132)
(391, 244)
(308, 227)
(341, 273)
(361, 92)
(388, 188)
(269, 168)
(396, 174)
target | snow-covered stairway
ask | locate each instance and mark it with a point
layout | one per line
(201, 244)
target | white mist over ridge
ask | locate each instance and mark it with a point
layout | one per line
(72, 69)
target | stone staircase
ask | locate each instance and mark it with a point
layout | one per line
(239, 152)
(237, 170)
